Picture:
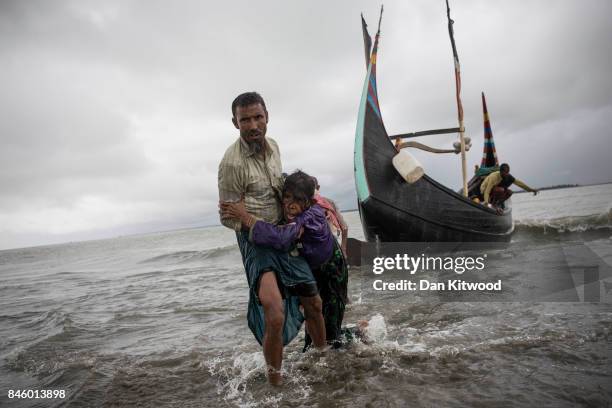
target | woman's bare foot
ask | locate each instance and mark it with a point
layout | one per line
(274, 377)
(362, 325)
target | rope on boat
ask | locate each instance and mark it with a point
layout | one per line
(456, 147)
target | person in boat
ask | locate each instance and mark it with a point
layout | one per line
(306, 230)
(495, 187)
(335, 220)
(278, 282)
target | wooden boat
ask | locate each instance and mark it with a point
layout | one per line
(391, 209)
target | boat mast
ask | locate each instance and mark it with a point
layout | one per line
(459, 104)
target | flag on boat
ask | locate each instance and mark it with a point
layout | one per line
(489, 155)
(372, 91)
(367, 41)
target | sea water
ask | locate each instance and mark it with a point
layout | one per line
(159, 320)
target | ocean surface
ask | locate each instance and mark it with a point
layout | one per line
(159, 320)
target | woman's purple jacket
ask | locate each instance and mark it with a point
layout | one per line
(317, 240)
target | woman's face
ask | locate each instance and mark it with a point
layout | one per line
(292, 207)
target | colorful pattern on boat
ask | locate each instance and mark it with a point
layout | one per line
(372, 91)
(369, 97)
(489, 155)
(361, 184)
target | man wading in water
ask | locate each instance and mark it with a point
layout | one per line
(278, 281)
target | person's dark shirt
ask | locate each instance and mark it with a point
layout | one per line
(507, 181)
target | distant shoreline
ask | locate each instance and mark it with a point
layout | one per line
(556, 187)
(562, 186)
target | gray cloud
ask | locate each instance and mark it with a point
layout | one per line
(114, 115)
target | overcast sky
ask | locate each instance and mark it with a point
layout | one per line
(114, 115)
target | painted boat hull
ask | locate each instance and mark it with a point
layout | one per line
(392, 210)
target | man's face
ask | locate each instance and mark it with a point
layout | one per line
(252, 122)
(505, 171)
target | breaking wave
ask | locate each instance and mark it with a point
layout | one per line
(180, 257)
(584, 223)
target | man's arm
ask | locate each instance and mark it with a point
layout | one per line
(524, 186)
(229, 179)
